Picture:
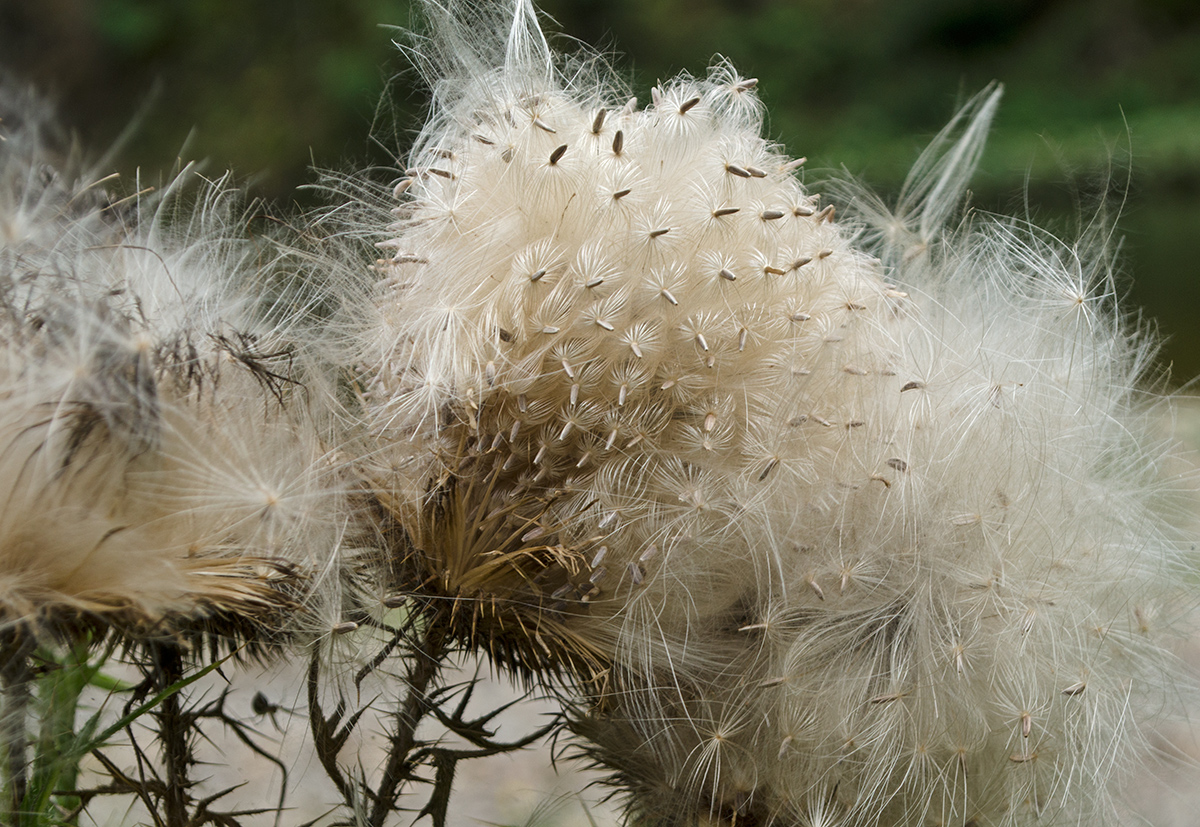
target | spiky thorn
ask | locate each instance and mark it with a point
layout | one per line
(476, 732)
(215, 710)
(121, 783)
(175, 730)
(329, 733)
(424, 664)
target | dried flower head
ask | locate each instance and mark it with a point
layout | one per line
(158, 457)
(850, 525)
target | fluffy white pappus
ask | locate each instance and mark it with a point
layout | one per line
(166, 449)
(863, 516)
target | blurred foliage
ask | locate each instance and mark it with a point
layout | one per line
(1097, 90)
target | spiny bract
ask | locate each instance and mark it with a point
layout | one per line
(858, 520)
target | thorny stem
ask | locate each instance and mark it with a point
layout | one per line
(326, 738)
(15, 648)
(173, 733)
(424, 665)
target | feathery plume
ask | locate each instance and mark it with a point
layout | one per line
(852, 523)
(159, 456)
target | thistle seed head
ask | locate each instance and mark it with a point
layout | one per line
(159, 463)
(825, 517)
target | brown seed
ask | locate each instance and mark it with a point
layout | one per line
(687, 105)
(771, 463)
(817, 590)
(557, 154)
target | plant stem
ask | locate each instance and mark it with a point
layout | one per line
(424, 665)
(174, 733)
(15, 647)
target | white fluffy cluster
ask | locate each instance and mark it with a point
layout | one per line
(823, 523)
(149, 465)
(863, 527)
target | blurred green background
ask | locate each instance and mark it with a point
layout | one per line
(1103, 96)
